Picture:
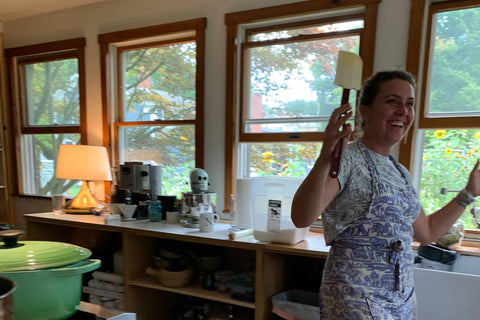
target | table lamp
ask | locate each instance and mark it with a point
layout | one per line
(82, 162)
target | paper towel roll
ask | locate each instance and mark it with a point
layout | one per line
(244, 203)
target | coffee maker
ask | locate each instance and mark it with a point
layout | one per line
(137, 184)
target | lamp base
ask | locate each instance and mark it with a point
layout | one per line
(83, 203)
(78, 211)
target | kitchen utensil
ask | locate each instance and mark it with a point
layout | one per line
(48, 276)
(127, 211)
(348, 76)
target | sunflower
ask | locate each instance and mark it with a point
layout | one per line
(448, 151)
(267, 156)
(440, 133)
(477, 135)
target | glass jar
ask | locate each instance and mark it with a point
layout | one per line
(155, 210)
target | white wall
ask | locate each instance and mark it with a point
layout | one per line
(115, 15)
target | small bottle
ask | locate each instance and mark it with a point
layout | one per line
(155, 210)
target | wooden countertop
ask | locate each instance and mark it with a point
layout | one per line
(313, 245)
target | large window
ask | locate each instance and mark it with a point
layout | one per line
(157, 110)
(47, 90)
(283, 92)
(448, 139)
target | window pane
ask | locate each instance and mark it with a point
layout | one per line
(282, 159)
(39, 156)
(159, 83)
(52, 93)
(455, 75)
(448, 158)
(171, 147)
(292, 81)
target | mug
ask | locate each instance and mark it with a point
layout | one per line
(207, 219)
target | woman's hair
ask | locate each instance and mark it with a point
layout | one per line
(371, 86)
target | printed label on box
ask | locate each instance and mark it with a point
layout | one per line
(274, 215)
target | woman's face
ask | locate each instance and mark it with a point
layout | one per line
(390, 116)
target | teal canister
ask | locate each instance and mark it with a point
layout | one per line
(155, 210)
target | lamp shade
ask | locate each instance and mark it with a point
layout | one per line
(83, 162)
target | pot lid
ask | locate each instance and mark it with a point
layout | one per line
(35, 255)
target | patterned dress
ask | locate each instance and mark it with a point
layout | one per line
(369, 270)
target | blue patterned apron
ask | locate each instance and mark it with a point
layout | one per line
(369, 270)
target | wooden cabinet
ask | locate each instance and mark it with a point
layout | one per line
(276, 267)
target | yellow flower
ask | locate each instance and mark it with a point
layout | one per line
(267, 155)
(448, 150)
(183, 138)
(440, 133)
(477, 135)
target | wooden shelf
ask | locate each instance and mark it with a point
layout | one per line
(194, 290)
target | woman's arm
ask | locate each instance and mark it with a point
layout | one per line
(319, 189)
(429, 228)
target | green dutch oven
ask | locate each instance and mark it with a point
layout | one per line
(48, 276)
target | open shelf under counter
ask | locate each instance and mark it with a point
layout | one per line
(194, 290)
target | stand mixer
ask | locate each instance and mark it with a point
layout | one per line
(198, 200)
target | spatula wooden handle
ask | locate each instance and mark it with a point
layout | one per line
(337, 152)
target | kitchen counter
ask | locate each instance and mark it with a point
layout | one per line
(276, 266)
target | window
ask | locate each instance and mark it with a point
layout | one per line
(448, 137)
(157, 111)
(48, 90)
(286, 60)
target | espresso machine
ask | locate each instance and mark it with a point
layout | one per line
(198, 200)
(137, 184)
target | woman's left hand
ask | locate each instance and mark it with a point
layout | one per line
(473, 184)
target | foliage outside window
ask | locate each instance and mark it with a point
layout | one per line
(288, 87)
(50, 111)
(449, 122)
(157, 114)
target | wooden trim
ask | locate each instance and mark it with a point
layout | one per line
(82, 87)
(449, 123)
(301, 38)
(367, 43)
(231, 110)
(232, 20)
(200, 99)
(417, 9)
(297, 8)
(47, 47)
(303, 24)
(145, 32)
(287, 137)
(50, 129)
(437, 7)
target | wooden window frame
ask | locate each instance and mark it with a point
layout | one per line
(420, 19)
(50, 51)
(142, 35)
(232, 107)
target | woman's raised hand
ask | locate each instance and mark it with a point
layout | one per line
(336, 130)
